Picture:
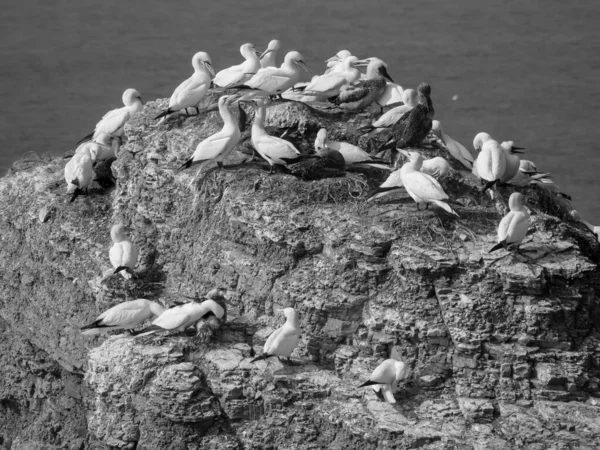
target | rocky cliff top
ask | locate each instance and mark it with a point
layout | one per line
(503, 350)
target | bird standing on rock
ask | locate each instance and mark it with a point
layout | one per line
(490, 164)
(123, 254)
(386, 377)
(220, 145)
(513, 227)
(236, 75)
(79, 171)
(126, 315)
(284, 340)
(190, 92)
(513, 162)
(114, 121)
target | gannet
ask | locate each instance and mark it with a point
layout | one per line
(273, 80)
(236, 75)
(189, 93)
(410, 130)
(392, 94)
(593, 228)
(180, 317)
(351, 153)
(325, 163)
(283, 340)
(437, 167)
(330, 83)
(267, 59)
(456, 149)
(527, 166)
(513, 227)
(479, 140)
(218, 146)
(123, 254)
(490, 164)
(334, 63)
(100, 147)
(423, 188)
(410, 97)
(386, 377)
(126, 315)
(513, 162)
(271, 148)
(113, 121)
(79, 171)
(359, 95)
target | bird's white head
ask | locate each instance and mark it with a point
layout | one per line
(414, 159)
(351, 61)
(131, 97)
(201, 61)
(376, 68)
(103, 138)
(248, 51)
(295, 57)
(339, 56)
(117, 233)
(510, 148)
(273, 46)
(480, 139)
(401, 371)
(515, 202)
(290, 314)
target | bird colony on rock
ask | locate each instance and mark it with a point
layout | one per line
(257, 81)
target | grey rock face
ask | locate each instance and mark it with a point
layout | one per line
(504, 350)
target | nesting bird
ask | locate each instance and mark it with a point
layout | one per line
(359, 95)
(423, 188)
(513, 227)
(325, 163)
(114, 121)
(99, 149)
(351, 153)
(239, 74)
(181, 317)
(330, 83)
(190, 92)
(283, 340)
(79, 171)
(386, 377)
(273, 149)
(410, 97)
(124, 316)
(490, 164)
(334, 63)
(220, 145)
(123, 254)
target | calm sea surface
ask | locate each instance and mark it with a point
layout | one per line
(525, 71)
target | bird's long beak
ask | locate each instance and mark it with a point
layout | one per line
(303, 65)
(265, 52)
(209, 67)
(517, 149)
(142, 101)
(361, 63)
(383, 71)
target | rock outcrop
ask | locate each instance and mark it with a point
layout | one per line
(504, 349)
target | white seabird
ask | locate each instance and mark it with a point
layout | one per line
(456, 149)
(329, 84)
(423, 188)
(334, 64)
(275, 80)
(391, 184)
(437, 167)
(386, 377)
(351, 153)
(180, 317)
(239, 74)
(190, 92)
(284, 340)
(126, 315)
(513, 161)
(479, 140)
(593, 228)
(100, 147)
(79, 171)
(218, 146)
(123, 254)
(113, 121)
(490, 164)
(513, 227)
(267, 59)
(273, 149)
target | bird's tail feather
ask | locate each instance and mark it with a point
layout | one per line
(498, 246)
(85, 139)
(263, 356)
(381, 191)
(488, 185)
(368, 383)
(445, 206)
(166, 112)
(147, 330)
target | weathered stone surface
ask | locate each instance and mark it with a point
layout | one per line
(504, 351)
